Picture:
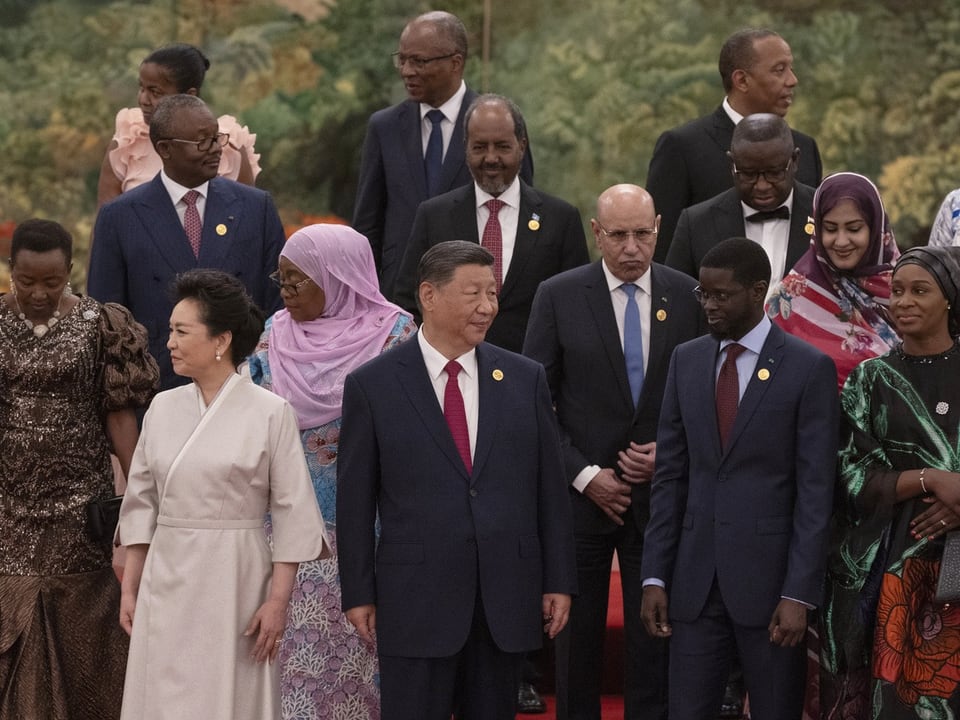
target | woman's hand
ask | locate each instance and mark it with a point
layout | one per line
(938, 519)
(267, 624)
(128, 604)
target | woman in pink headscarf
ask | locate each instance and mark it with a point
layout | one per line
(334, 319)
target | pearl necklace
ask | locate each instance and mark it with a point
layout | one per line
(43, 328)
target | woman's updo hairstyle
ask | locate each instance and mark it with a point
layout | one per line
(185, 64)
(224, 306)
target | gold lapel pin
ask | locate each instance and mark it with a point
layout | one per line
(763, 374)
(497, 374)
(533, 225)
(221, 229)
(661, 314)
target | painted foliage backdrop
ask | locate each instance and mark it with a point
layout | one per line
(597, 81)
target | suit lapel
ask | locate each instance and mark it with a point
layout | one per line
(728, 216)
(162, 224)
(768, 364)
(704, 384)
(490, 403)
(598, 299)
(415, 383)
(661, 330)
(221, 222)
(722, 130)
(463, 223)
(409, 121)
(453, 161)
(526, 240)
(798, 242)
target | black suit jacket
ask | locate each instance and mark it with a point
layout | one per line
(705, 224)
(573, 333)
(690, 165)
(558, 244)
(393, 182)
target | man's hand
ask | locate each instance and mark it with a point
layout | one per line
(610, 493)
(653, 612)
(789, 623)
(637, 461)
(556, 612)
(364, 619)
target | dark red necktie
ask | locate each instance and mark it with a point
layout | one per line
(728, 392)
(191, 221)
(455, 414)
(492, 239)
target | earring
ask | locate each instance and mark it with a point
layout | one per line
(67, 289)
(218, 356)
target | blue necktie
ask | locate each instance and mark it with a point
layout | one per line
(633, 341)
(433, 159)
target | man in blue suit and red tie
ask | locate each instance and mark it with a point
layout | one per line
(452, 445)
(185, 218)
(741, 498)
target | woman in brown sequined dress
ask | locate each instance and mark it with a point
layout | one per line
(71, 373)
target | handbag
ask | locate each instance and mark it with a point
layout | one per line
(102, 517)
(948, 584)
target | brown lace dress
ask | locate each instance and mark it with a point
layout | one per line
(62, 651)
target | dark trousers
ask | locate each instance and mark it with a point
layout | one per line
(579, 648)
(479, 682)
(702, 653)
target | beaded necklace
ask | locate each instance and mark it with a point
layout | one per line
(43, 328)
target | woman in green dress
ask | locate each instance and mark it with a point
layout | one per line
(890, 650)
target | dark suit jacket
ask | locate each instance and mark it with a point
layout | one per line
(393, 182)
(140, 246)
(503, 531)
(690, 164)
(708, 223)
(558, 244)
(573, 333)
(757, 515)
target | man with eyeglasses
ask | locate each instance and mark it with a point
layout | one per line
(532, 235)
(414, 150)
(605, 333)
(767, 203)
(689, 163)
(186, 217)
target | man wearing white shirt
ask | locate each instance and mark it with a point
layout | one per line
(414, 150)
(605, 332)
(531, 235)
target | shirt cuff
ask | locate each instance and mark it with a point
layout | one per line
(807, 605)
(655, 581)
(584, 477)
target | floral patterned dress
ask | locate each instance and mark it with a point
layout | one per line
(896, 650)
(326, 669)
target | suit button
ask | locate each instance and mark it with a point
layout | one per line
(473, 492)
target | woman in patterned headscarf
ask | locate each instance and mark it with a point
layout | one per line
(837, 294)
(334, 319)
(891, 651)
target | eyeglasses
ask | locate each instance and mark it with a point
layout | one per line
(418, 63)
(292, 288)
(721, 298)
(205, 144)
(643, 235)
(771, 176)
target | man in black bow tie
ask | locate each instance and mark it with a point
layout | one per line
(766, 203)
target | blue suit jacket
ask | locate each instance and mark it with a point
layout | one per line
(503, 531)
(393, 182)
(573, 332)
(755, 516)
(140, 246)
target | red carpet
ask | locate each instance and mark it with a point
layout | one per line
(611, 709)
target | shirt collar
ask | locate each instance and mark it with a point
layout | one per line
(731, 113)
(451, 108)
(510, 196)
(177, 191)
(436, 362)
(753, 340)
(613, 282)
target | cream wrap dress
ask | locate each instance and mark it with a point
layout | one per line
(201, 481)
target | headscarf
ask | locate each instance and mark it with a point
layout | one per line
(943, 263)
(310, 360)
(845, 313)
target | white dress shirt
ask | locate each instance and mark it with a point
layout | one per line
(508, 216)
(450, 110)
(774, 237)
(466, 380)
(177, 191)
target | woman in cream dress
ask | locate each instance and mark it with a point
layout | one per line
(204, 597)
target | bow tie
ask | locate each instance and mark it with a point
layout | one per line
(781, 213)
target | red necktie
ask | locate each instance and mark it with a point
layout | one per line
(455, 414)
(728, 392)
(492, 239)
(191, 221)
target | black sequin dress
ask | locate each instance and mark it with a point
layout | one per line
(62, 651)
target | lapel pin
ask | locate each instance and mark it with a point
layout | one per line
(221, 229)
(809, 227)
(534, 223)
(763, 374)
(661, 314)
(497, 374)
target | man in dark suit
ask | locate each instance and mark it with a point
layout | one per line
(689, 163)
(414, 150)
(767, 204)
(579, 329)
(452, 445)
(532, 235)
(741, 498)
(185, 218)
